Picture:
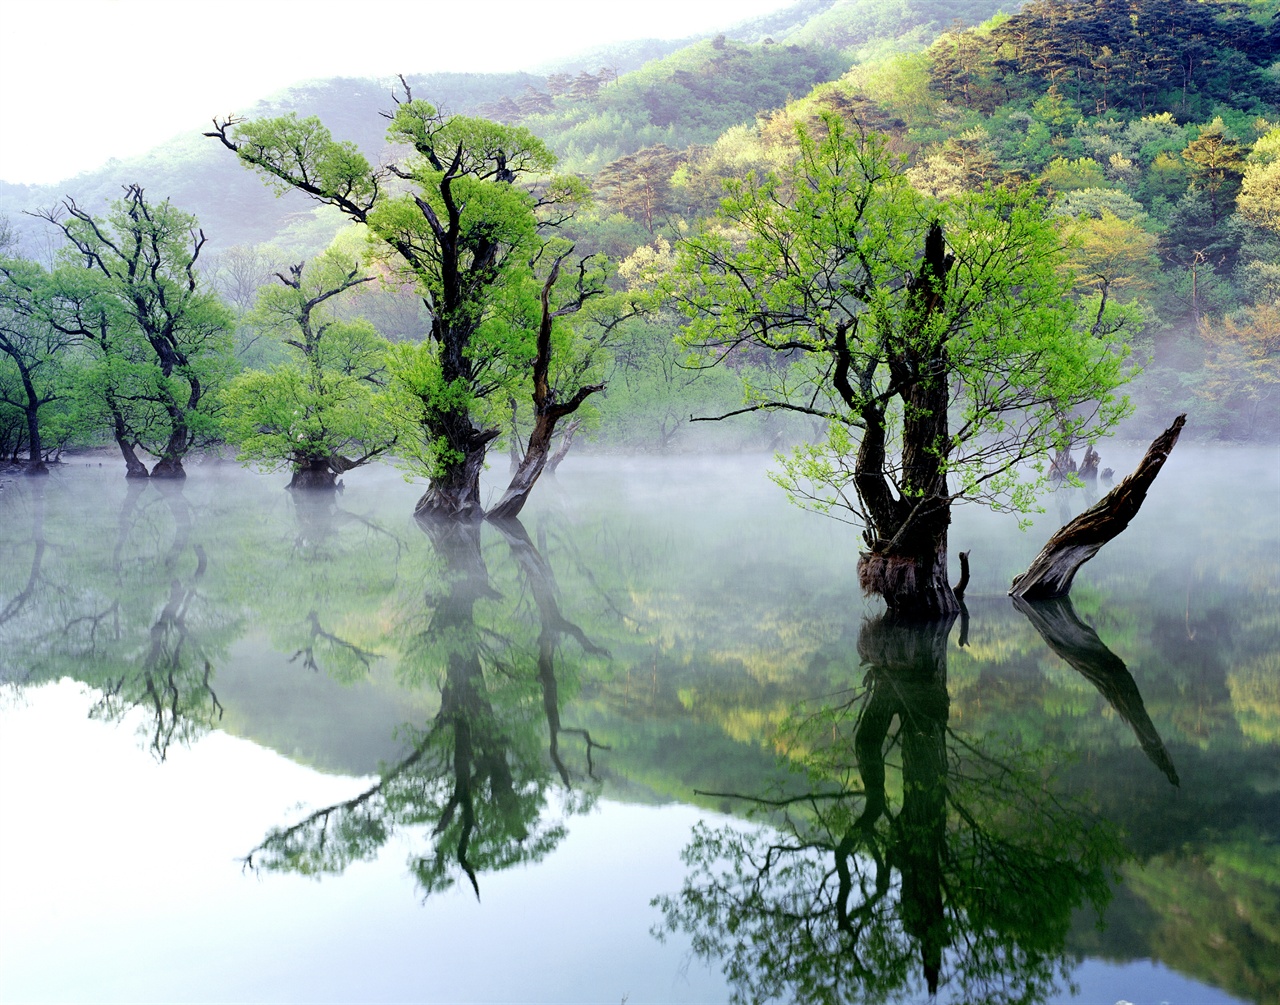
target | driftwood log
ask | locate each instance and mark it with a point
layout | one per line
(1078, 644)
(1051, 573)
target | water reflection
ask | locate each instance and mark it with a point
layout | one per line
(134, 622)
(476, 776)
(1078, 644)
(913, 858)
(486, 675)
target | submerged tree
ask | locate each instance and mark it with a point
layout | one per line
(328, 410)
(35, 350)
(129, 291)
(464, 226)
(936, 340)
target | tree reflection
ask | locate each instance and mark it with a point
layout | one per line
(1078, 644)
(171, 678)
(475, 776)
(914, 859)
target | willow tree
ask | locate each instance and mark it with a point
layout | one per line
(937, 341)
(128, 290)
(326, 410)
(461, 214)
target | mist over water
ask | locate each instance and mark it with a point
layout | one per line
(229, 689)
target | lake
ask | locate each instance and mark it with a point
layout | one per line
(650, 745)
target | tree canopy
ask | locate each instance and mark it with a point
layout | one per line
(937, 341)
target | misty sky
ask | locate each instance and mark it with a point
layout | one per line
(82, 81)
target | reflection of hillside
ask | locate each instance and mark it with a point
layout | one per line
(1211, 914)
(907, 858)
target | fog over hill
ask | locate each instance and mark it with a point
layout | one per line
(234, 207)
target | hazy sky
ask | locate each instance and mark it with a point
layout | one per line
(82, 81)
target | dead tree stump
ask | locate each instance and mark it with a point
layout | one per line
(1051, 573)
(1089, 466)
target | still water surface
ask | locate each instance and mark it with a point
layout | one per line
(651, 745)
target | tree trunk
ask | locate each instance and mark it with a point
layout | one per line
(546, 410)
(1089, 465)
(454, 494)
(313, 474)
(168, 467)
(907, 532)
(170, 463)
(526, 474)
(554, 460)
(35, 465)
(1053, 570)
(912, 583)
(133, 468)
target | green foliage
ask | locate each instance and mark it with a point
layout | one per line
(689, 97)
(1139, 56)
(159, 344)
(812, 263)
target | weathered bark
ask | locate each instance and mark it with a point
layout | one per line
(911, 583)
(1078, 644)
(1053, 570)
(180, 437)
(169, 467)
(963, 585)
(1063, 466)
(454, 493)
(133, 467)
(35, 452)
(907, 561)
(1089, 465)
(313, 474)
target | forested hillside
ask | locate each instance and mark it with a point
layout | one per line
(1148, 131)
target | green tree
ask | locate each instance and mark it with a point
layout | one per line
(328, 410)
(1216, 162)
(639, 184)
(935, 339)
(1259, 198)
(128, 288)
(38, 352)
(465, 234)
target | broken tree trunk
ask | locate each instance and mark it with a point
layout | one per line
(1089, 466)
(1051, 573)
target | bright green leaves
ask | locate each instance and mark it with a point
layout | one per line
(425, 398)
(287, 414)
(812, 281)
(330, 399)
(301, 153)
(460, 145)
(465, 228)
